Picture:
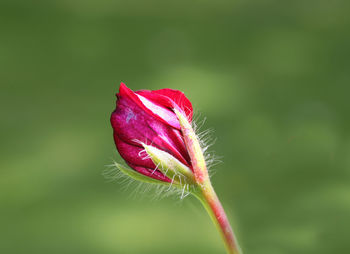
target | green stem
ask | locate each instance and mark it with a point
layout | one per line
(211, 203)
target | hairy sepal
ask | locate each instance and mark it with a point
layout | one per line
(194, 149)
(170, 166)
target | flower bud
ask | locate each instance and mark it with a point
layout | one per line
(148, 136)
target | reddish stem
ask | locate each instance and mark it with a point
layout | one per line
(212, 204)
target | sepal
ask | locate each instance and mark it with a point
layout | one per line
(170, 166)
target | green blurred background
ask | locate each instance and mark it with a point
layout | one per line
(272, 78)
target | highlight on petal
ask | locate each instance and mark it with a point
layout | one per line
(160, 103)
(165, 114)
(169, 98)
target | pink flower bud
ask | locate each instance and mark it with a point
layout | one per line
(148, 117)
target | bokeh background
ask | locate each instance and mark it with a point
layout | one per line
(271, 77)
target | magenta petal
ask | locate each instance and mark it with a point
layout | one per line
(163, 114)
(172, 142)
(136, 159)
(133, 154)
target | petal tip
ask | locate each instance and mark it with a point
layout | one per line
(124, 90)
(122, 87)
